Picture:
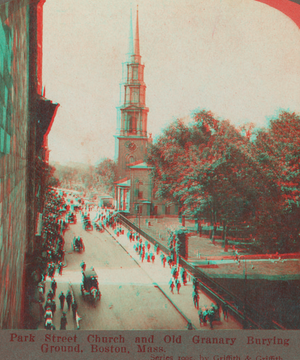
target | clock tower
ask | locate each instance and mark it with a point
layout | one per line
(131, 137)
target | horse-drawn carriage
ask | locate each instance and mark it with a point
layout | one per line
(87, 223)
(71, 218)
(90, 287)
(98, 227)
(210, 314)
(78, 244)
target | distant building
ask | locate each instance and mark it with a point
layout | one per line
(25, 120)
(134, 187)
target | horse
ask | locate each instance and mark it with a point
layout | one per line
(95, 294)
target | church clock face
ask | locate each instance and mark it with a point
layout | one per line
(130, 145)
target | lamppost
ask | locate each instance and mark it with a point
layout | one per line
(245, 324)
(137, 208)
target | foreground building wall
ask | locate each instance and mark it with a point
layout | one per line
(25, 121)
(14, 122)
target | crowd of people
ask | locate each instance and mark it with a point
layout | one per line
(54, 227)
(147, 252)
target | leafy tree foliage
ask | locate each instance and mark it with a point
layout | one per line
(214, 171)
(106, 172)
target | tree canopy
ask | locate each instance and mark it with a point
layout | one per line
(228, 175)
(106, 172)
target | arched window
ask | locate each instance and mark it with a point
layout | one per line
(135, 73)
(130, 159)
(127, 94)
(132, 124)
(135, 96)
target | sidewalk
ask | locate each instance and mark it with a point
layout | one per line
(182, 302)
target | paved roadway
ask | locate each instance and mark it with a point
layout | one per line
(129, 299)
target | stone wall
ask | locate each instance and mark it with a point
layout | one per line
(14, 122)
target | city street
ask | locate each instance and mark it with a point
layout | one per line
(129, 299)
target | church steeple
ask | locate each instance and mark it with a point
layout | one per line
(131, 136)
(137, 38)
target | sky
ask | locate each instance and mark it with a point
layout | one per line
(239, 59)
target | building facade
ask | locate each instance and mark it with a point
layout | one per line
(25, 119)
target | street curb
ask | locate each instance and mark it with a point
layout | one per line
(175, 306)
(123, 248)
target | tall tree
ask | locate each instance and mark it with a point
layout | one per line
(106, 171)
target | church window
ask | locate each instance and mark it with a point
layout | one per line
(135, 73)
(130, 73)
(127, 94)
(140, 195)
(132, 124)
(135, 96)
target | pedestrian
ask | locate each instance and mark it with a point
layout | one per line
(210, 316)
(53, 307)
(48, 313)
(53, 286)
(217, 311)
(205, 315)
(200, 314)
(189, 325)
(62, 300)
(153, 258)
(60, 267)
(196, 299)
(48, 324)
(69, 299)
(63, 321)
(171, 283)
(50, 294)
(178, 285)
(78, 318)
(48, 304)
(155, 248)
(74, 309)
(83, 265)
(183, 276)
(195, 284)
(52, 270)
(173, 271)
(225, 311)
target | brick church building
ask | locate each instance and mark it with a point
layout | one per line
(134, 187)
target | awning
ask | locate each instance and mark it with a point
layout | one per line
(45, 113)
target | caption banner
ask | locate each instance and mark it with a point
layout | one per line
(150, 345)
